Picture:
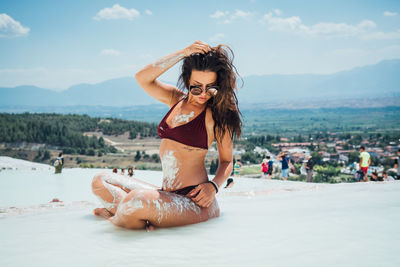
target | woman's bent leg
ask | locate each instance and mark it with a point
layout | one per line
(161, 209)
(112, 188)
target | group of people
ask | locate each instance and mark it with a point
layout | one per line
(365, 162)
(267, 166)
(375, 177)
(130, 171)
(308, 166)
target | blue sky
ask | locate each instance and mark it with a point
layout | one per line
(56, 44)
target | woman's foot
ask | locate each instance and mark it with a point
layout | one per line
(102, 212)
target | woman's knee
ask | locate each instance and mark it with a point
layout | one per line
(97, 182)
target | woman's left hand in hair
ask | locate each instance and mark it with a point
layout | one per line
(203, 195)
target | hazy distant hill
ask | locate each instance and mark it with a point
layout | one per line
(382, 79)
(115, 92)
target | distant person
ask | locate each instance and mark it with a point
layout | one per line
(59, 163)
(115, 170)
(229, 183)
(264, 168)
(309, 165)
(397, 164)
(122, 172)
(237, 167)
(270, 166)
(374, 177)
(303, 167)
(386, 177)
(365, 161)
(291, 166)
(359, 174)
(282, 157)
(130, 172)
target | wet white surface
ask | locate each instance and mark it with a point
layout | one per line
(262, 223)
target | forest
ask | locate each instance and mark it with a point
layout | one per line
(66, 131)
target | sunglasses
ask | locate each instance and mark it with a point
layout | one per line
(198, 90)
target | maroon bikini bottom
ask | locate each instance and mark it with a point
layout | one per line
(183, 191)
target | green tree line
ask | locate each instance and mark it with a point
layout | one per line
(66, 131)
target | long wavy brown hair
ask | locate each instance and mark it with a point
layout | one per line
(224, 105)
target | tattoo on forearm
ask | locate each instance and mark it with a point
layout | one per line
(168, 62)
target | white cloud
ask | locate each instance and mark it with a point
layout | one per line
(239, 14)
(389, 14)
(11, 28)
(338, 29)
(219, 14)
(110, 52)
(148, 12)
(282, 24)
(363, 30)
(277, 12)
(230, 17)
(367, 24)
(382, 35)
(216, 37)
(117, 12)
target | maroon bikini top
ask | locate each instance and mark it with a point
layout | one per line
(193, 133)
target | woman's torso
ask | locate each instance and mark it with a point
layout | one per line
(183, 164)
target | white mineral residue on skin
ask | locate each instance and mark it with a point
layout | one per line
(176, 206)
(170, 169)
(106, 204)
(124, 181)
(167, 62)
(117, 179)
(179, 118)
(213, 209)
(158, 204)
(116, 192)
(127, 208)
(181, 203)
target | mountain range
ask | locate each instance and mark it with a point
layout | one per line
(379, 80)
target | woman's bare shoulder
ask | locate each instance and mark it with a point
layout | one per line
(177, 95)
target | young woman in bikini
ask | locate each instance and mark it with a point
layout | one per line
(208, 111)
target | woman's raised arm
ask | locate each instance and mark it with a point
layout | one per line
(147, 77)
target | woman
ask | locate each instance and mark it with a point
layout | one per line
(207, 112)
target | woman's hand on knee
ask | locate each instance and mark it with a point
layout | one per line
(203, 195)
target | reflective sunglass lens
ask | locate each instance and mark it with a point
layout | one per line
(196, 90)
(212, 91)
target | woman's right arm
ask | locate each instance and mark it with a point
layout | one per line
(147, 77)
